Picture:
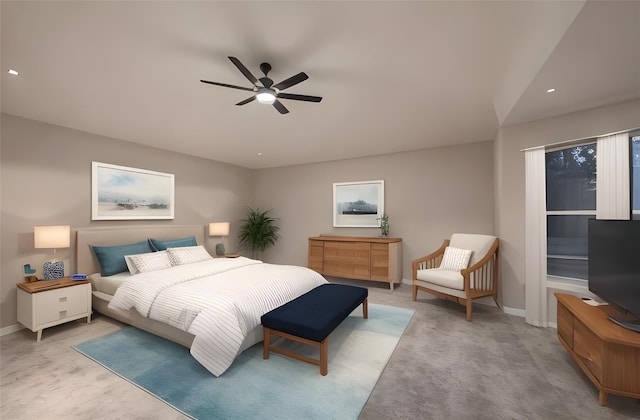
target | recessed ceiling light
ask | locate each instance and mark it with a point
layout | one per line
(13, 72)
(259, 153)
(551, 90)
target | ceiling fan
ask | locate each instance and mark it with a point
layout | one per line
(265, 91)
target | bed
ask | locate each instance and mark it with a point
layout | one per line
(207, 304)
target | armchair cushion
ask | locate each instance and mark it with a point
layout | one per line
(455, 259)
(447, 278)
(479, 244)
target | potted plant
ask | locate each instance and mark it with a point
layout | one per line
(257, 231)
(384, 225)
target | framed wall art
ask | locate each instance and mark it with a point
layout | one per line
(123, 193)
(358, 204)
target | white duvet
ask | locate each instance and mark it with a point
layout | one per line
(219, 301)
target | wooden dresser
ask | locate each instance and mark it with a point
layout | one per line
(355, 257)
(607, 353)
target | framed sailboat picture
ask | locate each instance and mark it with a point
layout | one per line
(358, 204)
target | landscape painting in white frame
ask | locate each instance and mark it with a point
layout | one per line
(123, 193)
(358, 204)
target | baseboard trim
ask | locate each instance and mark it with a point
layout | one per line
(10, 329)
(514, 311)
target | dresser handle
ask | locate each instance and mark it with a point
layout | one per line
(63, 299)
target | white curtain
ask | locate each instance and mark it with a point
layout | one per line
(612, 195)
(536, 238)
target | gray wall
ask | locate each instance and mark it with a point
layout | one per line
(46, 180)
(429, 194)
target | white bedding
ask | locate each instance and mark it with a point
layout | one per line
(109, 284)
(219, 301)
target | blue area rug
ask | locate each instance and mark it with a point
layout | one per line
(279, 387)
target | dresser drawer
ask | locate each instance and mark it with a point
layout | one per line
(380, 262)
(316, 255)
(588, 347)
(346, 250)
(565, 325)
(347, 259)
(61, 303)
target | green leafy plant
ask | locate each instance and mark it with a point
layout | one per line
(384, 225)
(258, 231)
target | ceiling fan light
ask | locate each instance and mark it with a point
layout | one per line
(266, 98)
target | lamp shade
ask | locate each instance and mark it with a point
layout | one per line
(51, 236)
(219, 229)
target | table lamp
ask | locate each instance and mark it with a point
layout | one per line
(220, 229)
(52, 237)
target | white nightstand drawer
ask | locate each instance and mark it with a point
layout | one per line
(61, 303)
(43, 304)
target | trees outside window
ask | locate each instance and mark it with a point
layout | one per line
(571, 202)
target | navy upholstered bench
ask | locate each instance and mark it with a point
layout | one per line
(311, 317)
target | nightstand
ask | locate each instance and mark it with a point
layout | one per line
(44, 304)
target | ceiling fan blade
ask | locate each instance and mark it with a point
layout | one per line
(246, 101)
(281, 108)
(295, 97)
(244, 70)
(293, 80)
(226, 85)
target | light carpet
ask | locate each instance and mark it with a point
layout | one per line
(279, 387)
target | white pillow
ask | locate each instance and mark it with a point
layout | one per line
(151, 261)
(455, 259)
(188, 254)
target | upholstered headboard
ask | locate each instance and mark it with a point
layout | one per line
(86, 261)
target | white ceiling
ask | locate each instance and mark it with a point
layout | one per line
(394, 76)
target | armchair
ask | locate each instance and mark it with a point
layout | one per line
(454, 273)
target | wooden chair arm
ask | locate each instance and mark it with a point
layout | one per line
(483, 261)
(428, 258)
(479, 265)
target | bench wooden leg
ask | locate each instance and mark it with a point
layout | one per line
(324, 357)
(365, 309)
(266, 343)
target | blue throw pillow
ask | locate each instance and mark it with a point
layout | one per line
(111, 258)
(159, 245)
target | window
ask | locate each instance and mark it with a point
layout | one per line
(560, 196)
(571, 202)
(635, 175)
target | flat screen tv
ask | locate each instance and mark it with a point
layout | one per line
(614, 266)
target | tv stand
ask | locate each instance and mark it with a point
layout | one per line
(606, 352)
(625, 323)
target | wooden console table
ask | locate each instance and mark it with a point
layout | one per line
(607, 353)
(356, 257)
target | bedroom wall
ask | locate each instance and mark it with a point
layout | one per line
(428, 191)
(510, 179)
(46, 180)
(429, 194)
